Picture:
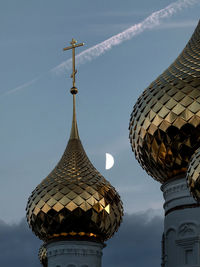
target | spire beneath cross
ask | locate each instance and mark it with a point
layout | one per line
(74, 71)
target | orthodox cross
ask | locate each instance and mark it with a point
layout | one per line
(73, 46)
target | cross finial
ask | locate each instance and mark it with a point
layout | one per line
(74, 71)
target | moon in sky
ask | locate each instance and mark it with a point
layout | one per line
(109, 161)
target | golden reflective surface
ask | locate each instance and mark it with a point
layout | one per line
(74, 198)
(193, 175)
(165, 122)
(73, 46)
(43, 255)
(80, 234)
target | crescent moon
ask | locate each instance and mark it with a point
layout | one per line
(109, 161)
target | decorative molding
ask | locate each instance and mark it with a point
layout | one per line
(74, 251)
(171, 229)
(188, 241)
(187, 229)
(175, 189)
(182, 207)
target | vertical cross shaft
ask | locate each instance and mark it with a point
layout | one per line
(74, 71)
(73, 66)
(74, 90)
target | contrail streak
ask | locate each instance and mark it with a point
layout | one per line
(150, 22)
(95, 51)
(20, 87)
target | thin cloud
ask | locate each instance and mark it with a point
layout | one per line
(150, 22)
(20, 87)
(130, 13)
(95, 51)
(178, 24)
(97, 29)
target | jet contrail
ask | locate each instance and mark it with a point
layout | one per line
(20, 87)
(150, 22)
(95, 51)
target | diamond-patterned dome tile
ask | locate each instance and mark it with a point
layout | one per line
(171, 104)
(78, 202)
(193, 175)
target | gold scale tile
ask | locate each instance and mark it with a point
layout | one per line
(165, 122)
(193, 175)
(78, 201)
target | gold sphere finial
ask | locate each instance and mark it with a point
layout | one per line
(74, 91)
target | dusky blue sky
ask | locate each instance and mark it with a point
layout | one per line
(36, 120)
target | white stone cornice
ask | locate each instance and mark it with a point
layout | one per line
(76, 253)
(176, 193)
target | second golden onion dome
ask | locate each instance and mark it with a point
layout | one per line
(165, 122)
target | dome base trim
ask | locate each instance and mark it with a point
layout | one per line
(74, 234)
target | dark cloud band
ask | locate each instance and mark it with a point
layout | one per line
(138, 243)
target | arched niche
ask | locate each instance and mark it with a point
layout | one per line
(171, 252)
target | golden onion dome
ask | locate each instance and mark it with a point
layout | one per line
(193, 175)
(165, 122)
(74, 200)
(42, 255)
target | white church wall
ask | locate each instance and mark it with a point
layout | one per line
(181, 226)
